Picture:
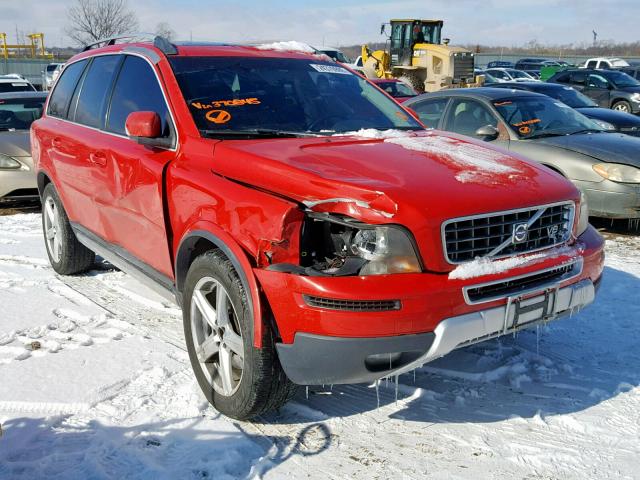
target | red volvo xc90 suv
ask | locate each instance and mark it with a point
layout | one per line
(310, 228)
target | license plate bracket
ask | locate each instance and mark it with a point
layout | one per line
(546, 304)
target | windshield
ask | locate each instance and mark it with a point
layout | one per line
(19, 114)
(228, 94)
(519, 74)
(397, 89)
(569, 96)
(15, 86)
(538, 116)
(621, 79)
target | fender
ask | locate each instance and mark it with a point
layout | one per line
(211, 232)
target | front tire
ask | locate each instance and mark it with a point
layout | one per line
(622, 106)
(66, 254)
(238, 379)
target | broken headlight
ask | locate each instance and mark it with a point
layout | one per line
(339, 246)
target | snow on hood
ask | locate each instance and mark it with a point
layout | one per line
(290, 46)
(375, 134)
(479, 164)
(487, 266)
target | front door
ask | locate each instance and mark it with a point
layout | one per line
(598, 88)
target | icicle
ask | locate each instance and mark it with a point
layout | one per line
(396, 389)
(331, 387)
(538, 340)
(378, 392)
(307, 392)
(414, 376)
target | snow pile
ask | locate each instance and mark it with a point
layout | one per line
(487, 266)
(375, 134)
(476, 163)
(290, 46)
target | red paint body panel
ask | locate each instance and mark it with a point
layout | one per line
(250, 195)
(426, 298)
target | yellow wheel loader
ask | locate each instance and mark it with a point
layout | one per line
(416, 53)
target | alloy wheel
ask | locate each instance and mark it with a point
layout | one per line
(52, 229)
(217, 337)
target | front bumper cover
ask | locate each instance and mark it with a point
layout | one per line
(315, 359)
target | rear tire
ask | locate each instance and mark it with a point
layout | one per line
(66, 254)
(238, 379)
(622, 106)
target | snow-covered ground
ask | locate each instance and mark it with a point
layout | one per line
(107, 392)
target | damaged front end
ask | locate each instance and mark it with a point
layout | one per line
(338, 245)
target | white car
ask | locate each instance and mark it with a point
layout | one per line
(510, 75)
(605, 63)
(50, 73)
(15, 83)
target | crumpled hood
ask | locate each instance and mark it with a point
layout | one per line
(15, 143)
(606, 147)
(414, 178)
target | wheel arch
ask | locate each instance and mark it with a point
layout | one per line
(206, 237)
(43, 180)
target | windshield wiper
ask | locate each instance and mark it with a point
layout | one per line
(544, 135)
(256, 132)
(586, 130)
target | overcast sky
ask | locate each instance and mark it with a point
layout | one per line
(348, 22)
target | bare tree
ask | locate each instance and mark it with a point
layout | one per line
(93, 20)
(164, 30)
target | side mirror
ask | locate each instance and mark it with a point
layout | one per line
(488, 132)
(143, 125)
(146, 129)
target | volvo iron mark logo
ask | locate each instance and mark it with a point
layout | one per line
(520, 233)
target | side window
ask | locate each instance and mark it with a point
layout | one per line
(136, 89)
(430, 112)
(578, 78)
(563, 78)
(598, 81)
(59, 102)
(592, 64)
(467, 116)
(93, 94)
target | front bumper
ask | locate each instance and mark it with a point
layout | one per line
(331, 342)
(314, 359)
(609, 199)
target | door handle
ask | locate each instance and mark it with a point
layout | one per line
(56, 143)
(98, 158)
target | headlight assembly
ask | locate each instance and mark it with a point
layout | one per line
(333, 245)
(9, 163)
(635, 97)
(617, 172)
(583, 219)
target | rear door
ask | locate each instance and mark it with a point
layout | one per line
(130, 187)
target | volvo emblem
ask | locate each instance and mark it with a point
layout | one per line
(520, 233)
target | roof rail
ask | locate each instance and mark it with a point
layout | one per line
(161, 43)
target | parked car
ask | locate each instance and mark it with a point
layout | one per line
(396, 88)
(500, 64)
(607, 119)
(605, 63)
(335, 54)
(230, 179)
(608, 88)
(531, 65)
(509, 75)
(17, 113)
(605, 166)
(50, 74)
(15, 83)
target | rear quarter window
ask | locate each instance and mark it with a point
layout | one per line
(61, 96)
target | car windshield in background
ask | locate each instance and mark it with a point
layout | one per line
(240, 94)
(397, 89)
(519, 74)
(537, 117)
(571, 97)
(621, 80)
(19, 114)
(16, 86)
(336, 55)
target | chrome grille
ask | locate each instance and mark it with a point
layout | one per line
(492, 235)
